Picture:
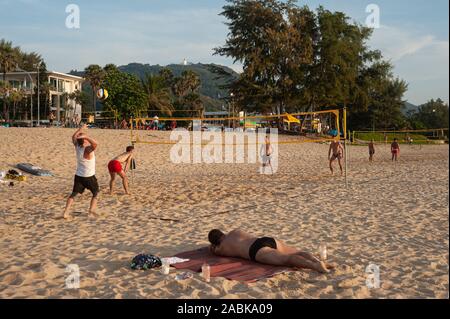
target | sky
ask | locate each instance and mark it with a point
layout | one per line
(413, 34)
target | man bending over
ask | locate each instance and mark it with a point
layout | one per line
(265, 250)
(119, 166)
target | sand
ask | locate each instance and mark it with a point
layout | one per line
(394, 216)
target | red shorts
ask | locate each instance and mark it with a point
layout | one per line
(395, 152)
(114, 167)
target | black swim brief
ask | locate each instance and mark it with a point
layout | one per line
(261, 243)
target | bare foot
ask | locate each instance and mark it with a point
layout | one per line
(68, 218)
(93, 215)
(321, 267)
(331, 266)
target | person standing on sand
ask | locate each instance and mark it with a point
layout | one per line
(371, 150)
(115, 168)
(395, 150)
(338, 151)
(266, 154)
(85, 174)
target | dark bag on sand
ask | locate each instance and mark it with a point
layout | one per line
(145, 262)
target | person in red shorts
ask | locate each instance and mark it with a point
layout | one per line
(395, 149)
(119, 166)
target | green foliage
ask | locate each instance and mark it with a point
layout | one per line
(126, 95)
(296, 59)
(433, 114)
(401, 137)
(95, 75)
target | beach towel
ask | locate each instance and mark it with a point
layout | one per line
(230, 268)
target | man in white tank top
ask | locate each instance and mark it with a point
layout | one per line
(85, 175)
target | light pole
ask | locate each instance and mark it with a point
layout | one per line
(31, 96)
(38, 96)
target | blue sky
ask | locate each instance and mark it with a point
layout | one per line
(413, 34)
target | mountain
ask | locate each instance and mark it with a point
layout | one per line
(409, 108)
(211, 90)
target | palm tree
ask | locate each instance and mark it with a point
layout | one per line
(16, 97)
(8, 63)
(4, 92)
(158, 94)
(95, 75)
(189, 82)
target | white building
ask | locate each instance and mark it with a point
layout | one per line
(61, 85)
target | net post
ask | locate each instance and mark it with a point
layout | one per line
(345, 146)
(131, 129)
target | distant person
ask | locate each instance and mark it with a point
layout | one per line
(266, 250)
(371, 150)
(85, 174)
(119, 166)
(336, 152)
(156, 122)
(266, 154)
(51, 118)
(395, 150)
(124, 124)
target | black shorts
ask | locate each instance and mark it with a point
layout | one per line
(82, 183)
(259, 244)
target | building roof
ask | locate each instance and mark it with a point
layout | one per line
(50, 73)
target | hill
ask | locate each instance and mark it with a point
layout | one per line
(211, 90)
(410, 108)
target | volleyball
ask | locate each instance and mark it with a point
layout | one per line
(102, 94)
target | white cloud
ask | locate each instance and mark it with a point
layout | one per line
(421, 60)
(396, 43)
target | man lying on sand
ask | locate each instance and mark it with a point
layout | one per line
(115, 168)
(265, 250)
(338, 151)
(85, 174)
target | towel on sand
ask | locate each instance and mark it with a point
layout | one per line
(229, 268)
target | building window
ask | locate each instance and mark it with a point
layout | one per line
(53, 84)
(61, 85)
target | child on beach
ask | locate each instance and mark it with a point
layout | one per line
(395, 149)
(119, 166)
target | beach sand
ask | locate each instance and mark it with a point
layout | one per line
(392, 216)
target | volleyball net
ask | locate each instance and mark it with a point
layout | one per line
(423, 136)
(305, 127)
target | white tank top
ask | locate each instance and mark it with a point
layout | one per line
(85, 168)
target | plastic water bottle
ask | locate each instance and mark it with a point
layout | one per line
(206, 272)
(323, 252)
(165, 268)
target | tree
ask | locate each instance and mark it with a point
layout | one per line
(158, 93)
(267, 37)
(185, 89)
(295, 59)
(126, 95)
(16, 97)
(95, 76)
(8, 62)
(432, 115)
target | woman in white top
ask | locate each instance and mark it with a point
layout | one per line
(85, 175)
